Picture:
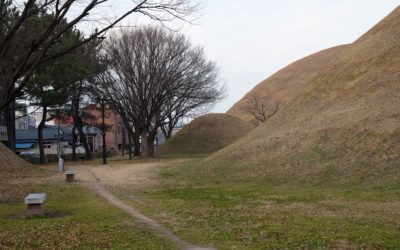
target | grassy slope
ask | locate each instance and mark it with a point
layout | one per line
(80, 220)
(286, 84)
(205, 134)
(12, 166)
(323, 173)
(342, 127)
(231, 213)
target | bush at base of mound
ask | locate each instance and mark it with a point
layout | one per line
(205, 135)
(12, 166)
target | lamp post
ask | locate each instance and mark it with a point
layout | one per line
(59, 152)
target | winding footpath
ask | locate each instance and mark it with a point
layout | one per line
(96, 185)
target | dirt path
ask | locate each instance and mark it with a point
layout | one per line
(95, 182)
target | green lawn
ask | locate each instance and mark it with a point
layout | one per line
(242, 214)
(76, 218)
(205, 207)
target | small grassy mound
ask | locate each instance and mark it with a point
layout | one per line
(205, 135)
(12, 166)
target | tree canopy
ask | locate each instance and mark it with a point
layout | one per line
(155, 76)
(23, 49)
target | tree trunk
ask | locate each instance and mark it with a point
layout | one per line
(10, 122)
(73, 143)
(131, 136)
(123, 140)
(136, 144)
(130, 145)
(40, 135)
(164, 131)
(147, 145)
(79, 125)
(82, 136)
(169, 131)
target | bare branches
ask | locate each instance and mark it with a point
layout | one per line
(155, 77)
(54, 12)
(259, 109)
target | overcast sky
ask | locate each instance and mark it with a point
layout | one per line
(250, 40)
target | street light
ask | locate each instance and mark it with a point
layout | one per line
(103, 127)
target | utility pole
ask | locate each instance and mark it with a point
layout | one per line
(58, 138)
(103, 127)
(123, 139)
(59, 153)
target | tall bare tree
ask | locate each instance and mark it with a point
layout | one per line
(20, 57)
(156, 76)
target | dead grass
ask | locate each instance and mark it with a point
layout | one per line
(235, 213)
(12, 166)
(205, 135)
(341, 125)
(74, 217)
(116, 174)
(286, 84)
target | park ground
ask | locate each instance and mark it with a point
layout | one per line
(215, 211)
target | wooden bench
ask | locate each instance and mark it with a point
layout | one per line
(35, 204)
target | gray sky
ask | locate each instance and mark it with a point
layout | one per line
(250, 40)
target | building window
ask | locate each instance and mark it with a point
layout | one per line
(46, 145)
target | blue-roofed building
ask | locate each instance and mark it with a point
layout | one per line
(27, 139)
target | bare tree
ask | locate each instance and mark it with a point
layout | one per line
(156, 76)
(195, 100)
(18, 62)
(259, 109)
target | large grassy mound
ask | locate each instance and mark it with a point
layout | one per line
(323, 173)
(341, 126)
(205, 134)
(286, 84)
(12, 166)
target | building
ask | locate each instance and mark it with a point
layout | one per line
(23, 120)
(27, 140)
(37, 115)
(93, 137)
(115, 129)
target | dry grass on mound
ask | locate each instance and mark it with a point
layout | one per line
(12, 166)
(286, 84)
(205, 134)
(342, 126)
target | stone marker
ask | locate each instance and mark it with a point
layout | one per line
(60, 164)
(35, 204)
(70, 176)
